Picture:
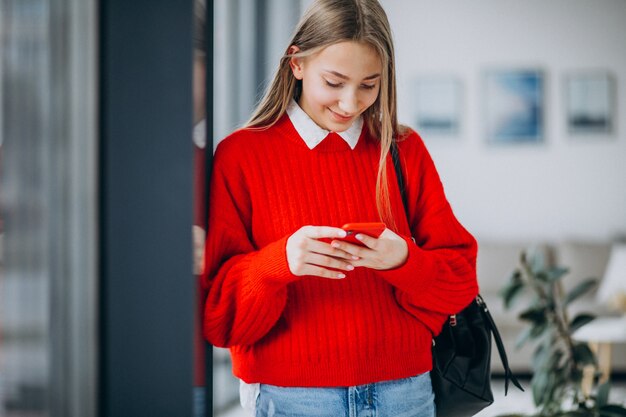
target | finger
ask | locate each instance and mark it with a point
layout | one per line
(368, 241)
(388, 234)
(328, 261)
(355, 251)
(317, 232)
(361, 263)
(326, 249)
(318, 271)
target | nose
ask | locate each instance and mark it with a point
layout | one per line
(348, 102)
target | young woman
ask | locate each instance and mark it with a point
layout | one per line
(318, 326)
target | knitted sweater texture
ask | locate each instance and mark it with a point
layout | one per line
(308, 331)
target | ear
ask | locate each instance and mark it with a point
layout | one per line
(295, 63)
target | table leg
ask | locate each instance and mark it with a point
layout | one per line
(604, 361)
(602, 350)
(589, 373)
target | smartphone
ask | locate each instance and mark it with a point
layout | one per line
(370, 229)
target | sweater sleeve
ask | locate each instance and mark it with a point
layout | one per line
(246, 286)
(439, 275)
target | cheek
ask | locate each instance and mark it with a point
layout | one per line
(370, 98)
(319, 93)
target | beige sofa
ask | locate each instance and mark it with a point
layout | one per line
(496, 262)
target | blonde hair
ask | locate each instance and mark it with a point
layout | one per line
(328, 22)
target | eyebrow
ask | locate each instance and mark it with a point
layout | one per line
(345, 77)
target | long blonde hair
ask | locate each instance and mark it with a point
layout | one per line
(327, 22)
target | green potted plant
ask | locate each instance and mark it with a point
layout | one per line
(558, 359)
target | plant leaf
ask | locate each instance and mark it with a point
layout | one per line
(516, 276)
(539, 383)
(556, 273)
(534, 315)
(538, 329)
(542, 276)
(552, 385)
(580, 289)
(540, 356)
(554, 359)
(510, 293)
(536, 261)
(579, 321)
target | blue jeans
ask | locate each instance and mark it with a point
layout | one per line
(408, 397)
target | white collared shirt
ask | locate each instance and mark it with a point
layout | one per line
(313, 134)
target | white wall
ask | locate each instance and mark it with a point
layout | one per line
(567, 186)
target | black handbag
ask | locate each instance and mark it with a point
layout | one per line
(461, 374)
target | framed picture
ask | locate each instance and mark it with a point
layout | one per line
(438, 105)
(514, 106)
(589, 103)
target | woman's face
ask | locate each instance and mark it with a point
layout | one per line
(338, 83)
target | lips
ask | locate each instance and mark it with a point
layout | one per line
(339, 117)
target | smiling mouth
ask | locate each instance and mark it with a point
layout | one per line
(340, 117)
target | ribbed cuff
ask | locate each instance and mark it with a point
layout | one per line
(270, 267)
(415, 273)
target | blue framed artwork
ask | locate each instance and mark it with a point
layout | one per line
(514, 106)
(589, 103)
(438, 105)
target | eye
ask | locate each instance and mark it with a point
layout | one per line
(332, 85)
(368, 86)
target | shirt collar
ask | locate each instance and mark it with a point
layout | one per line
(313, 134)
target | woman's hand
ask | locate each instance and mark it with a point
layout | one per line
(308, 256)
(388, 251)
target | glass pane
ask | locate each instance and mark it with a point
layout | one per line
(24, 305)
(47, 209)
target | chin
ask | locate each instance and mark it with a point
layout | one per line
(338, 127)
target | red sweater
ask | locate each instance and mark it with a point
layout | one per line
(309, 331)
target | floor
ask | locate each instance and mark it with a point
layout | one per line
(515, 401)
(521, 402)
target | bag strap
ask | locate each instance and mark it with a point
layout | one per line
(508, 374)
